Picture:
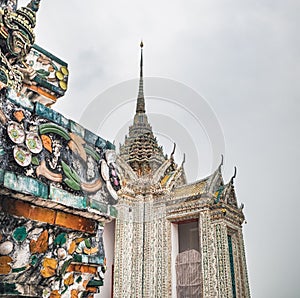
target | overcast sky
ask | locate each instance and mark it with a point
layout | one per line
(243, 58)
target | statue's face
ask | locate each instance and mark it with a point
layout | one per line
(18, 44)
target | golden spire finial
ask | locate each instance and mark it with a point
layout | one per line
(141, 44)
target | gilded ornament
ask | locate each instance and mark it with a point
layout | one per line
(59, 75)
(63, 85)
(64, 70)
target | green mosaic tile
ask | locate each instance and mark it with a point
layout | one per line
(113, 211)
(84, 259)
(1, 176)
(25, 184)
(64, 122)
(20, 234)
(95, 283)
(102, 207)
(66, 198)
(9, 289)
(2, 151)
(77, 258)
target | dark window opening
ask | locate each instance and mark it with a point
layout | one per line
(188, 234)
(231, 266)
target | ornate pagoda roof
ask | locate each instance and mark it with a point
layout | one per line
(140, 149)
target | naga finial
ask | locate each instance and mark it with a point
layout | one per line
(222, 160)
(174, 147)
(234, 175)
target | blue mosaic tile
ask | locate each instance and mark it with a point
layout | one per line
(90, 137)
(77, 128)
(47, 113)
(51, 115)
(100, 143)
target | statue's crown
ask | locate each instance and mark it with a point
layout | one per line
(23, 18)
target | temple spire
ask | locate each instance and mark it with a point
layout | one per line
(140, 105)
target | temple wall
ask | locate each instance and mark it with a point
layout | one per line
(58, 189)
